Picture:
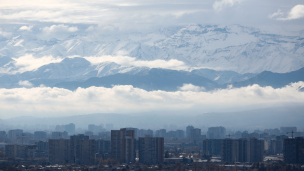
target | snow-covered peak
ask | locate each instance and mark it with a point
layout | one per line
(232, 47)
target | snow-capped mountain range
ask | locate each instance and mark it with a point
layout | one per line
(223, 54)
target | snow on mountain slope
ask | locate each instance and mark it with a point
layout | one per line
(80, 69)
(69, 69)
(235, 48)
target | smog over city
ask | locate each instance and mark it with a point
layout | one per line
(189, 71)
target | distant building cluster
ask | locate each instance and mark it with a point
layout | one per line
(131, 145)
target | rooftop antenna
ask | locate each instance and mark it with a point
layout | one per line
(291, 133)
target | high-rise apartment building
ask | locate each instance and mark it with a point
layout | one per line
(216, 132)
(96, 128)
(59, 150)
(14, 134)
(123, 145)
(161, 133)
(293, 150)
(275, 146)
(135, 132)
(188, 131)
(180, 134)
(3, 136)
(73, 146)
(195, 134)
(228, 150)
(89, 133)
(171, 134)
(58, 135)
(20, 151)
(102, 146)
(12, 150)
(40, 135)
(212, 146)
(60, 128)
(42, 146)
(91, 127)
(151, 150)
(255, 150)
(78, 149)
(143, 132)
(84, 151)
(242, 150)
(70, 128)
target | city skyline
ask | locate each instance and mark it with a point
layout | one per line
(139, 85)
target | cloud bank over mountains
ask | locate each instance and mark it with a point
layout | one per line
(42, 101)
(29, 63)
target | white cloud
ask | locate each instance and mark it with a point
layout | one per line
(19, 43)
(219, 5)
(295, 13)
(190, 87)
(26, 28)
(59, 28)
(28, 62)
(131, 61)
(5, 34)
(276, 14)
(91, 28)
(128, 99)
(33, 15)
(25, 83)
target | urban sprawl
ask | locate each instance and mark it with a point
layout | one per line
(103, 148)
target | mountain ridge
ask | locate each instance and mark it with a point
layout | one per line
(155, 79)
(79, 69)
(170, 80)
(232, 47)
(275, 80)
